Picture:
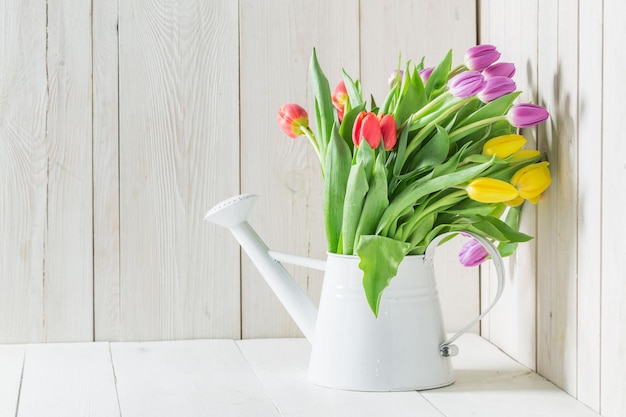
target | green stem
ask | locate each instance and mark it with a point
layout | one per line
(428, 106)
(472, 126)
(309, 134)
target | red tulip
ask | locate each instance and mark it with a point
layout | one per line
(292, 118)
(366, 126)
(388, 130)
(340, 98)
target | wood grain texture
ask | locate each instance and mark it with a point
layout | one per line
(590, 202)
(512, 27)
(613, 313)
(106, 210)
(179, 155)
(557, 219)
(68, 278)
(62, 380)
(23, 169)
(414, 30)
(277, 39)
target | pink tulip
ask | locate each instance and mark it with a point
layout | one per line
(527, 115)
(466, 84)
(473, 253)
(388, 131)
(479, 57)
(496, 87)
(292, 118)
(500, 69)
(425, 74)
(366, 126)
(395, 76)
(340, 98)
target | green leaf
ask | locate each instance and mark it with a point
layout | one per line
(497, 107)
(337, 168)
(353, 206)
(367, 157)
(324, 109)
(380, 257)
(439, 77)
(497, 229)
(345, 129)
(376, 201)
(512, 219)
(353, 89)
(435, 151)
(412, 97)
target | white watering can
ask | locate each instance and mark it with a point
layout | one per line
(404, 348)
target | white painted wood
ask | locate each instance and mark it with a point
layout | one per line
(67, 380)
(557, 213)
(613, 330)
(512, 27)
(11, 365)
(179, 155)
(106, 210)
(590, 202)
(414, 30)
(281, 366)
(190, 378)
(23, 169)
(68, 274)
(285, 172)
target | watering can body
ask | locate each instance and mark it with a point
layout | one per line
(404, 348)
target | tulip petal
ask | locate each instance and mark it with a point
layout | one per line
(490, 190)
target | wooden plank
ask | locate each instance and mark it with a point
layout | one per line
(557, 213)
(23, 169)
(415, 30)
(187, 378)
(106, 210)
(589, 259)
(281, 366)
(285, 172)
(179, 155)
(512, 27)
(64, 380)
(11, 366)
(613, 331)
(68, 281)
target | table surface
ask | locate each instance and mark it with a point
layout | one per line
(260, 377)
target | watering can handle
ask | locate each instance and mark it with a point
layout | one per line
(447, 348)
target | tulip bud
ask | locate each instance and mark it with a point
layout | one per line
(527, 115)
(490, 190)
(504, 146)
(292, 118)
(340, 98)
(425, 74)
(500, 69)
(515, 202)
(466, 84)
(388, 130)
(532, 180)
(496, 87)
(523, 155)
(395, 77)
(473, 253)
(479, 57)
(366, 126)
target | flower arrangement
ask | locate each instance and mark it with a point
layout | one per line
(441, 153)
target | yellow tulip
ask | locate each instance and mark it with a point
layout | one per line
(504, 146)
(532, 180)
(490, 190)
(523, 155)
(515, 202)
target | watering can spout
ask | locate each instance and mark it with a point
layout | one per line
(233, 214)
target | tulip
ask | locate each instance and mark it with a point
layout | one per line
(504, 146)
(524, 154)
(532, 180)
(479, 57)
(473, 253)
(466, 84)
(340, 98)
(490, 190)
(527, 115)
(366, 126)
(395, 76)
(515, 202)
(425, 74)
(388, 131)
(496, 87)
(500, 69)
(293, 119)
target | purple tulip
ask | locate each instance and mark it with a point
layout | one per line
(395, 75)
(496, 87)
(500, 69)
(527, 115)
(466, 84)
(425, 74)
(472, 253)
(479, 57)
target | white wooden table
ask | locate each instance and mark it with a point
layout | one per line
(264, 377)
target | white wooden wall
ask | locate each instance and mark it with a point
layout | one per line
(121, 123)
(568, 290)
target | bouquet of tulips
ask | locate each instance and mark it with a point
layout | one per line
(441, 153)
